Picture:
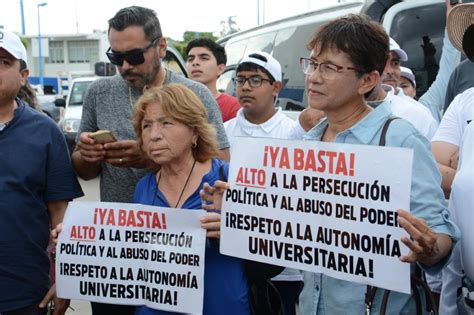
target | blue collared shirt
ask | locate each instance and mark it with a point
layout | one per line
(325, 295)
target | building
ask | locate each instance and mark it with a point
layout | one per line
(65, 57)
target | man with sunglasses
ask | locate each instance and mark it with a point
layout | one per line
(258, 82)
(136, 48)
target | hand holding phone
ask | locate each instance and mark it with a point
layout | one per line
(103, 136)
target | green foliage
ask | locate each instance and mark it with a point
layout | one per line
(187, 37)
(24, 41)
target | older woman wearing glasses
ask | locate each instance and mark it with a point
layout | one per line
(347, 58)
(173, 132)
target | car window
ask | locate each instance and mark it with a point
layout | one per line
(174, 63)
(263, 42)
(417, 27)
(224, 83)
(235, 51)
(77, 93)
(290, 45)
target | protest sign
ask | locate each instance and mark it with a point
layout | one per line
(132, 254)
(321, 207)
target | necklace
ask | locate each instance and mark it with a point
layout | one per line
(184, 187)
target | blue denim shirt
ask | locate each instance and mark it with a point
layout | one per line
(325, 295)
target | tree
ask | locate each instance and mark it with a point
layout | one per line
(187, 37)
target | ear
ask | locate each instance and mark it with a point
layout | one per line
(368, 82)
(24, 75)
(220, 69)
(162, 44)
(277, 86)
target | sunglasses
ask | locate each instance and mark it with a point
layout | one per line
(133, 57)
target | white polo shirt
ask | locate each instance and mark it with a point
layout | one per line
(407, 108)
(279, 126)
(458, 115)
(414, 112)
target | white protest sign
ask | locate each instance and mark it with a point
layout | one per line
(132, 254)
(321, 207)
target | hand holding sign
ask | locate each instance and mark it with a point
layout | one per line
(212, 195)
(60, 305)
(55, 233)
(426, 246)
(212, 202)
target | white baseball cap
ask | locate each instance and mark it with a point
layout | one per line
(407, 73)
(264, 60)
(396, 48)
(12, 44)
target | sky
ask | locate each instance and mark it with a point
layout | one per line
(176, 16)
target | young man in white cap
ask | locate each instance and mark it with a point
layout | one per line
(407, 82)
(401, 105)
(391, 75)
(36, 182)
(258, 81)
(434, 98)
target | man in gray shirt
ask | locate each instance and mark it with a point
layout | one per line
(136, 48)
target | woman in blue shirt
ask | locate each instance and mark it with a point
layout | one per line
(173, 131)
(347, 58)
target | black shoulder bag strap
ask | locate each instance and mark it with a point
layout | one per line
(370, 292)
(416, 280)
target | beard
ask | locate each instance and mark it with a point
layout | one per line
(138, 80)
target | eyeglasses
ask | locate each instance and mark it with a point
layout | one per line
(328, 71)
(254, 81)
(134, 57)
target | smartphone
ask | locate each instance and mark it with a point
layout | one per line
(454, 2)
(103, 136)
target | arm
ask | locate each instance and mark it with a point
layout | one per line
(443, 153)
(445, 143)
(56, 211)
(224, 154)
(431, 231)
(450, 57)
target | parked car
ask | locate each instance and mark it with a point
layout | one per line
(408, 22)
(71, 119)
(49, 108)
(46, 102)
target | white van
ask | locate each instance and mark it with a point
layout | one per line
(72, 113)
(411, 23)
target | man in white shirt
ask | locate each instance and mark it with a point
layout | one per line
(445, 143)
(403, 106)
(258, 81)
